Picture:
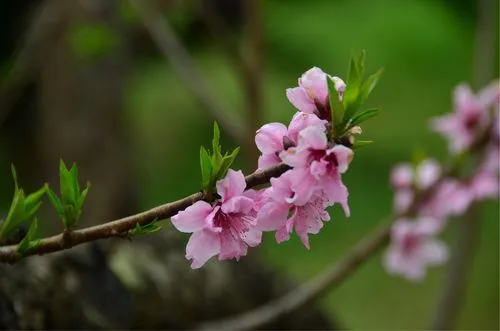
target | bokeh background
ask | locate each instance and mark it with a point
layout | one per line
(99, 92)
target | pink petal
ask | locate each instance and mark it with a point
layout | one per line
(301, 121)
(299, 98)
(428, 172)
(303, 185)
(272, 216)
(402, 176)
(201, 247)
(336, 191)
(269, 138)
(343, 155)
(281, 187)
(232, 185)
(237, 205)
(294, 157)
(319, 169)
(433, 252)
(312, 138)
(314, 82)
(192, 219)
(231, 247)
(252, 237)
(267, 161)
(283, 233)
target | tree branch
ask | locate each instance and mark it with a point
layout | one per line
(174, 52)
(120, 227)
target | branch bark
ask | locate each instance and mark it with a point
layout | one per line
(120, 227)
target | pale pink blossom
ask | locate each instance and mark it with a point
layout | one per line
(470, 116)
(318, 167)
(405, 179)
(311, 96)
(413, 248)
(270, 138)
(282, 216)
(226, 229)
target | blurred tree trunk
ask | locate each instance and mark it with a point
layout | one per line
(76, 99)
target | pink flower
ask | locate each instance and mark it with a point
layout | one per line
(405, 179)
(311, 96)
(470, 117)
(282, 216)
(317, 167)
(227, 228)
(270, 138)
(413, 248)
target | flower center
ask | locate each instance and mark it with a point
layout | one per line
(222, 220)
(410, 243)
(471, 122)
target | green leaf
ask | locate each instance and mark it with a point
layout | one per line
(24, 246)
(216, 150)
(70, 216)
(34, 198)
(83, 196)
(227, 161)
(145, 229)
(66, 184)
(337, 109)
(363, 116)
(14, 176)
(74, 177)
(15, 215)
(354, 78)
(368, 86)
(361, 143)
(54, 199)
(206, 167)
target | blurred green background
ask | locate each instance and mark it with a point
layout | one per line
(426, 48)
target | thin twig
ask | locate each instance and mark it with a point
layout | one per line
(8, 254)
(327, 280)
(43, 26)
(175, 53)
(454, 284)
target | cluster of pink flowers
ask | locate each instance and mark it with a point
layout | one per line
(473, 127)
(295, 201)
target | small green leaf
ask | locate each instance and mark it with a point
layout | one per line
(83, 196)
(66, 184)
(368, 86)
(34, 198)
(227, 161)
(14, 176)
(361, 143)
(363, 116)
(24, 246)
(354, 78)
(206, 167)
(74, 176)
(337, 109)
(54, 199)
(216, 150)
(15, 215)
(145, 229)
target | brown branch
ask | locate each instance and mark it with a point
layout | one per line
(456, 277)
(8, 254)
(328, 279)
(175, 53)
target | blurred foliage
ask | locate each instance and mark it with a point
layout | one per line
(426, 48)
